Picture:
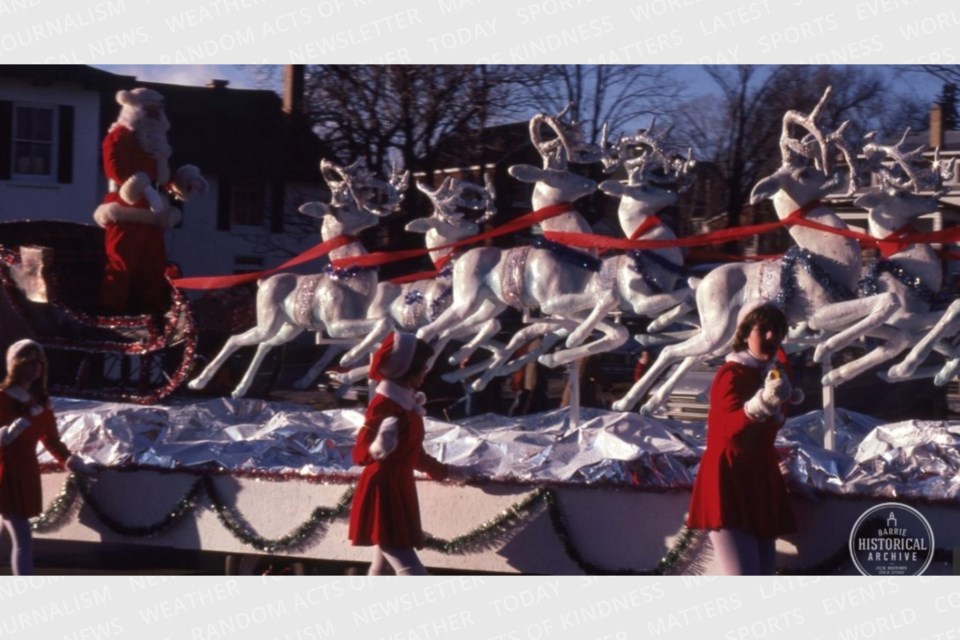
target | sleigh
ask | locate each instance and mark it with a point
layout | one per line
(50, 273)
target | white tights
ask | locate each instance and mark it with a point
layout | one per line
(743, 554)
(21, 553)
(402, 562)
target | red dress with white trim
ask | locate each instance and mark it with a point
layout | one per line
(739, 484)
(20, 493)
(385, 509)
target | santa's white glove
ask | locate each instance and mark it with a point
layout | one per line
(386, 441)
(76, 464)
(158, 204)
(766, 402)
(138, 186)
(13, 430)
(189, 183)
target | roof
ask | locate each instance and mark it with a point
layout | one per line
(240, 132)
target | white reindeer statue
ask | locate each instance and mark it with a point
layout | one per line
(412, 305)
(336, 300)
(899, 289)
(639, 282)
(487, 279)
(831, 262)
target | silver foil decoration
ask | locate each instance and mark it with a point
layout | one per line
(511, 283)
(303, 301)
(911, 459)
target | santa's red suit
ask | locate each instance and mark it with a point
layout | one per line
(136, 211)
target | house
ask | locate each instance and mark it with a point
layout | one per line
(260, 161)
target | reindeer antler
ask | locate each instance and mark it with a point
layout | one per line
(653, 156)
(808, 122)
(907, 172)
(569, 143)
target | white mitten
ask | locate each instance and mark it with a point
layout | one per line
(189, 183)
(76, 464)
(386, 441)
(766, 402)
(459, 473)
(10, 432)
(158, 204)
(421, 399)
(135, 187)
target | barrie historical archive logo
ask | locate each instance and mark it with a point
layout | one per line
(891, 539)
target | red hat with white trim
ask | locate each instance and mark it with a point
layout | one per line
(393, 357)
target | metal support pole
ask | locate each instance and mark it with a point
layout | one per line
(829, 411)
(573, 384)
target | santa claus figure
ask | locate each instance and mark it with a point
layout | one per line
(137, 210)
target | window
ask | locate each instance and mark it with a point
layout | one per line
(36, 142)
(34, 138)
(248, 204)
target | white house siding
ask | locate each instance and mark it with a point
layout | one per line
(202, 250)
(30, 200)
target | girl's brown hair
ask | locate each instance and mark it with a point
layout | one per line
(38, 390)
(766, 317)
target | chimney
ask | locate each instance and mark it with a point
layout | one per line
(218, 84)
(936, 126)
(293, 75)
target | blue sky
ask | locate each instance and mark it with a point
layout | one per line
(240, 76)
(246, 77)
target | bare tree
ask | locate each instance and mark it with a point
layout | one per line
(738, 127)
(371, 112)
(618, 95)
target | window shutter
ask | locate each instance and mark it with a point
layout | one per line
(65, 146)
(224, 199)
(277, 200)
(6, 138)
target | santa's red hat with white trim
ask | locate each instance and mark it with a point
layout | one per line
(393, 357)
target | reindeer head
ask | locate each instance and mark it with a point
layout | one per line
(354, 186)
(567, 146)
(357, 199)
(902, 176)
(805, 173)
(554, 185)
(454, 201)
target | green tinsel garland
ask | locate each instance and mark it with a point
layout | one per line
(481, 537)
(55, 514)
(663, 566)
(306, 531)
(184, 507)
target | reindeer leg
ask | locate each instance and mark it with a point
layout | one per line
(487, 330)
(857, 316)
(374, 337)
(614, 335)
(696, 347)
(659, 397)
(501, 365)
(948, 323)
(286, 333)
(253, 336)
(895, 341)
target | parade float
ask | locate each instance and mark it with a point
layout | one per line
(567, 491)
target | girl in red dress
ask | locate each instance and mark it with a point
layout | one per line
(385, 512)
(740, 495)
(25, 419)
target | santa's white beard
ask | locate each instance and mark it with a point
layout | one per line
(151, 134)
